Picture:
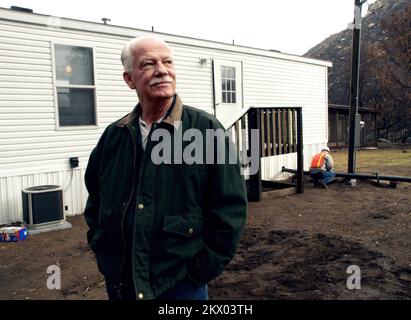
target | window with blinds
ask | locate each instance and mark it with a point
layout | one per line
(75, 85)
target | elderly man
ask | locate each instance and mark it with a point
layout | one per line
(160, 231)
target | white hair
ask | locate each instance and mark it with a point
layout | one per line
(127, 53)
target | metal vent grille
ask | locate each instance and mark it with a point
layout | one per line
(42, 205)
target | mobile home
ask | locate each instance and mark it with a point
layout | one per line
(61, 85)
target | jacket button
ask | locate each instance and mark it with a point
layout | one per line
(190, 231)
(141, 296)
(140, 206)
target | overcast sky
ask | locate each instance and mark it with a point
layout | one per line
(292, 26)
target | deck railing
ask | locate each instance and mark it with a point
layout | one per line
(280, 132)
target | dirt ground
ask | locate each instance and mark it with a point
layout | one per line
(294, 247)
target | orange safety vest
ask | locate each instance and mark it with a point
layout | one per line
(318, 160)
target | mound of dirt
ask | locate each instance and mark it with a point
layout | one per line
(295, 264)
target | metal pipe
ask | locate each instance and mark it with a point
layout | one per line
(284, 169)
(358, 175)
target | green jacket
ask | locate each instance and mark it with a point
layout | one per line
(188, 219)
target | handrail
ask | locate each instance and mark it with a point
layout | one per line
(276, 125)
(237, 116)
(279, 132)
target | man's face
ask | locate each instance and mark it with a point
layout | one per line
(153, 74)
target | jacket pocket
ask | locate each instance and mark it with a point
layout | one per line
(104, 222)
(183, 234)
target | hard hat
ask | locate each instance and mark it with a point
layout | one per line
(325, 149)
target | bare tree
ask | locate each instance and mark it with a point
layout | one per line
(386, 76)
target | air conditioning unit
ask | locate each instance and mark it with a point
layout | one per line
(43, 206)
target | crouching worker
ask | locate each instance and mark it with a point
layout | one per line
(322, 168)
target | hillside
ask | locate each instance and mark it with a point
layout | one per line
(385, 77)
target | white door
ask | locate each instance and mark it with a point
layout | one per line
(228, 90)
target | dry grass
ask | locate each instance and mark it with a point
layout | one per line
(385, 161)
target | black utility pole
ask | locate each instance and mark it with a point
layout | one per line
(355, 70)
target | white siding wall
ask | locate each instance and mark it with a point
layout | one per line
(11, 186)
(271, 166)
(34, 152)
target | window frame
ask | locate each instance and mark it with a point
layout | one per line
(70, 86)
(218, 91)
(228, 91)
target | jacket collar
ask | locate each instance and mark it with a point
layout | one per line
(173, 114)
